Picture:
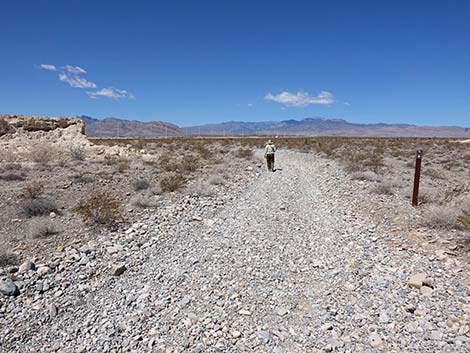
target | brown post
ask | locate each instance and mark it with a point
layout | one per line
(419, 155)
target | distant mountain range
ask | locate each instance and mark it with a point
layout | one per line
(111, 127)
(327, 127)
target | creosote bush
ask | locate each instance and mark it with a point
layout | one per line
(100, 209)
(140, 184)
(172, 183)
(38, 207)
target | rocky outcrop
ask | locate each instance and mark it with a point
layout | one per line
(13, 123)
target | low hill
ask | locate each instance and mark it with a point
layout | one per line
(113, 127)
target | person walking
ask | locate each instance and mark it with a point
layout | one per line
(269, 151)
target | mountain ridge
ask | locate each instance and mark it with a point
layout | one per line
(310, 126)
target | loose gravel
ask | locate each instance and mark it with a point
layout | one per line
(285, 263)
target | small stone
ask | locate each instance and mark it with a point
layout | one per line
(27, 266)
(43, 270)
(384, 318)
(416, 281)
(244, 312)
(52, 310)
(281, 311)
(84, 260)
(264, 335)
(436, 335)
(9, 288)
(427, 291)
(118, 269)
(375, 340)
(185, 302)
(114, 249)
(236, 334)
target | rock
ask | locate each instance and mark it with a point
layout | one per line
(52, 310)
(42, 271)
(375, 340)
(426, 291)
(236, 334)
(244, 312)
(27, 266)
(281, 311)
(83, 260)
(384, 318)
(436, 335)
(416, 281)
(118, 269)
(9, 288)
(264, 335)
(114, 249)
(184, 302)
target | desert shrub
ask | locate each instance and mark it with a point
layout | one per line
(123, 166)
(442, 216)
(100, 208)
(216, 180)
(172, 183)
(366, 176)
(148, 200)
(202, 190)
(464, 219)
(189, 163)
(12, 166)
(82, 179)
(43, 228)
(167, 164)
(246, 153)
(38, 207)
(153, 164)
(203, 151)
(33, 190)
(384, 188)
(12, 177)
(42, 155)
(77, 152)
(8, 259)
(4, 127)
(140, 184)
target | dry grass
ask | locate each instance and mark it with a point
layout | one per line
(33, 191)
(173, 182)
(8, 259)
(43, 228)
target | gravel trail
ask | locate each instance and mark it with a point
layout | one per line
(287, 265)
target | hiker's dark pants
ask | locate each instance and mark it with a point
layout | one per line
(270, 161)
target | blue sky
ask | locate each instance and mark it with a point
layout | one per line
(193, 62)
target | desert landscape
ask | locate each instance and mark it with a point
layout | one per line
(189, 244)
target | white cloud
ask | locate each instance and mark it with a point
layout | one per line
(77, 70)
(72, 75)
(301, 99)
(113, 93)
(76, 81)
(48, 67)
